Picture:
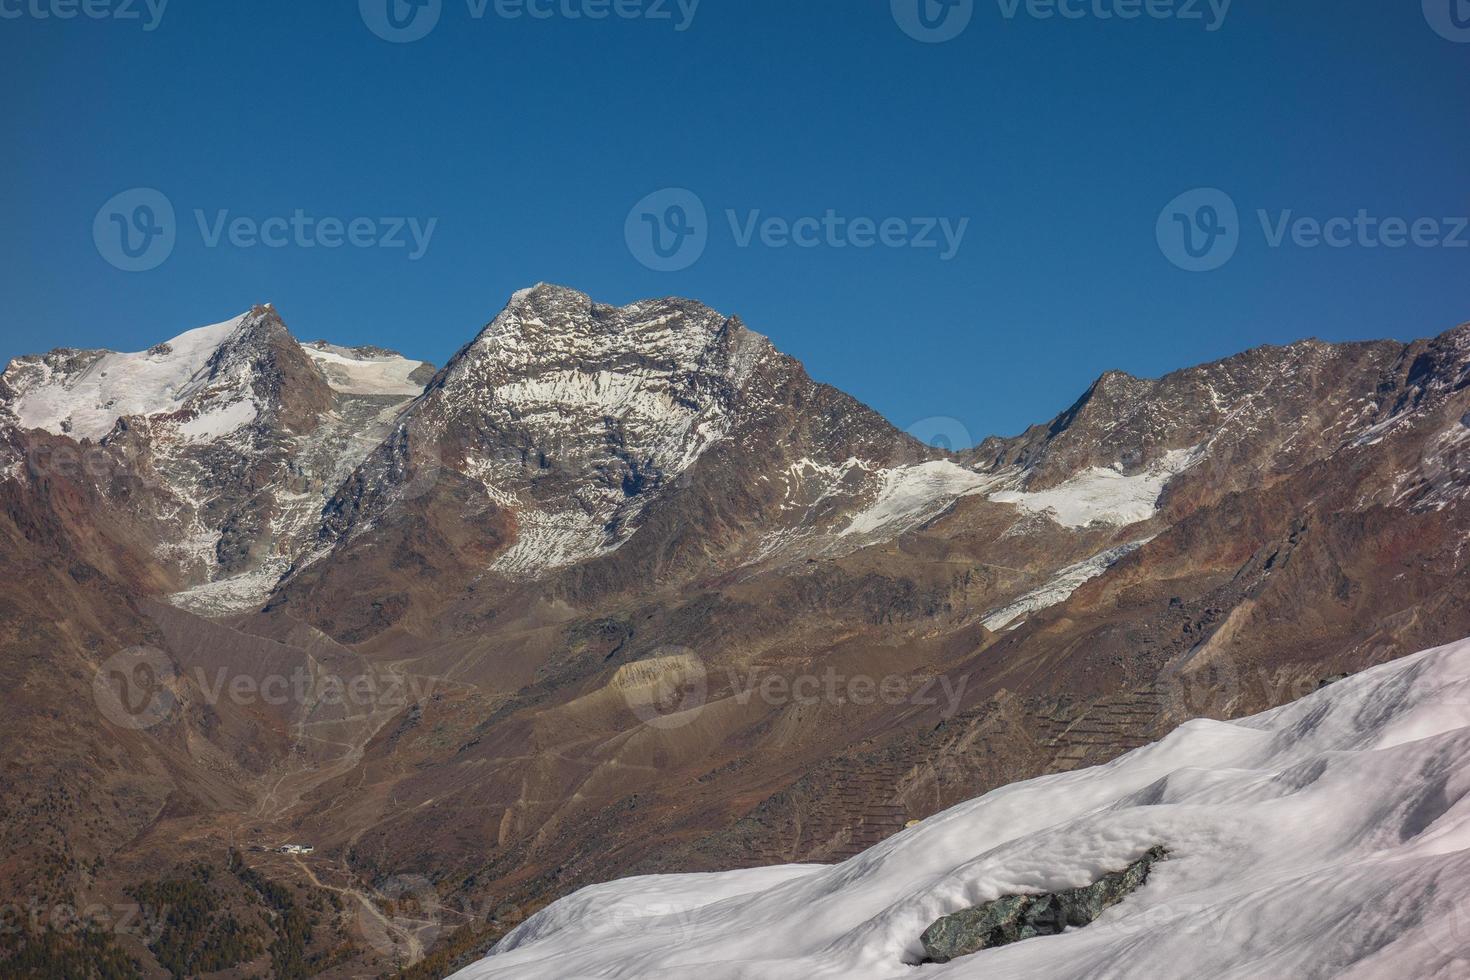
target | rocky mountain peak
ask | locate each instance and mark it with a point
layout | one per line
(547, 329)
(576, 414)
(200, 386)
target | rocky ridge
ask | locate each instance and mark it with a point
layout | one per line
(592, 537)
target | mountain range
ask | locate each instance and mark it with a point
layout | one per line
(623, 590)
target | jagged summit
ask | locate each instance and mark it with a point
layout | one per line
(567, 429)
(576, 415)
(221, 442)
(84, 392)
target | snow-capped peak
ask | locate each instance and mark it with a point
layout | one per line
(582, 412)
(84, 393)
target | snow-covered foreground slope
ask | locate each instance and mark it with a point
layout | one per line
(1327, 838)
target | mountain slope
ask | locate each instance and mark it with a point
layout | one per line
(219, 445)
(602, 447)
(1323, 839)
(651, 599)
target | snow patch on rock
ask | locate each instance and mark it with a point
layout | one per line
(219, 422)
(83, 393)
(1104, 495)
(1060, 588)
(911, 495)
(354, 372)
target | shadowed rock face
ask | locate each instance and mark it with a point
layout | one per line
(584, 548)
(1013, 918)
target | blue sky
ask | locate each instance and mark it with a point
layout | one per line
(1056, 143)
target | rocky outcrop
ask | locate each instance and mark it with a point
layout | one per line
(1012, 918)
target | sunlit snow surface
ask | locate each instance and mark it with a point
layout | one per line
(1100, 495)
(150, 382)
(911, 495)
(354, 373)
(1328, 838)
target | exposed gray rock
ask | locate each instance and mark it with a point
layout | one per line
(1011, 918)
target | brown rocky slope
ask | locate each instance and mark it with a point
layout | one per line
(626, 591)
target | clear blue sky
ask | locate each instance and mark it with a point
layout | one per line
(529, 140)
